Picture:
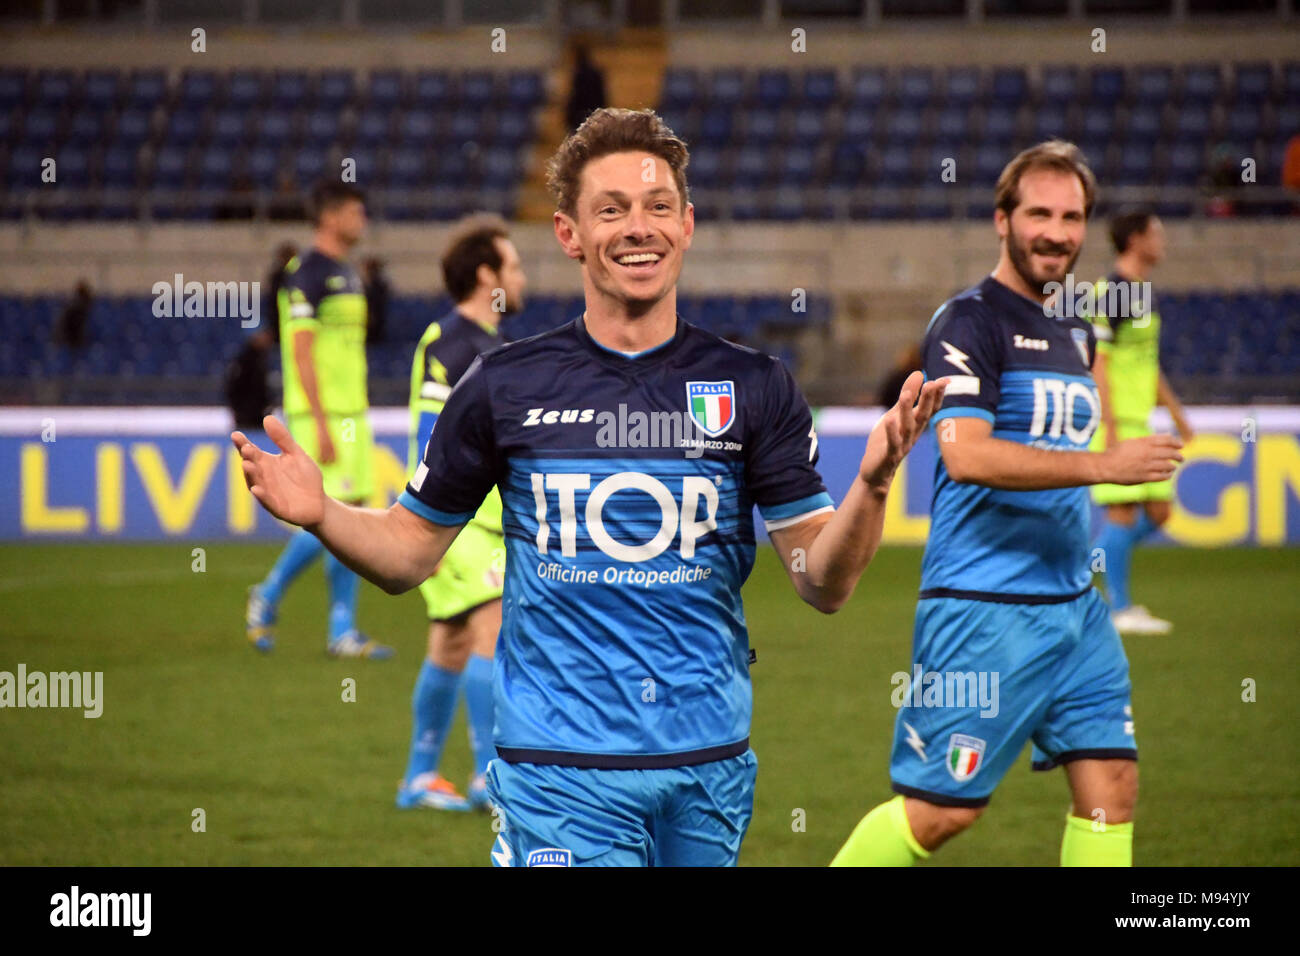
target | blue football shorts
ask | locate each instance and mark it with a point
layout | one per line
(993, 676)
(578, 816)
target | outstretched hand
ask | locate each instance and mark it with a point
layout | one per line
(288, 485)
(897, 430)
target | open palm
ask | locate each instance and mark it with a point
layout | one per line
(288, 485)
(898, 429)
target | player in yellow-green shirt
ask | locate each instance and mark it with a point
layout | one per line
(322, 309)
(1130, 385)
(484, 277)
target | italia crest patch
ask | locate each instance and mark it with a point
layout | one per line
(711, 405)
(1080, 337)
(550, 856)
(965, 754)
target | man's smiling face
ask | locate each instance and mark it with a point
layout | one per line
(629, 228)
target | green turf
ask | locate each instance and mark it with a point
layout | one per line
(288, 773)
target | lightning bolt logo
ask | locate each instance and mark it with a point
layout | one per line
(913, 738)
(956, 356)
(503, 856)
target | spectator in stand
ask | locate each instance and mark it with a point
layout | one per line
(247, 392)
(70, 327)
(284, 253)
(588, 90)
(375, 280)
(907, 362)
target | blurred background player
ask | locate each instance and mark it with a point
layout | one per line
(1130, 383)
(484, 277)
(322, 345)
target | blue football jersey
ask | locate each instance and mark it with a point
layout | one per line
(1030, 376)
(628, 485)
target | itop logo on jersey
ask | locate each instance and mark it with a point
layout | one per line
(145, 474)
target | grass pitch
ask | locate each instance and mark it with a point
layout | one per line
(288, 773)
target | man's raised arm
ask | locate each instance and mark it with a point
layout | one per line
(973, 456)
(394, 548)
(837, 547)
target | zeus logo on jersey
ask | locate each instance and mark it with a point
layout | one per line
(1062, 395)
(694, 488)
(567, 416)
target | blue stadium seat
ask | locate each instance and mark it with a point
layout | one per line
(41, 126)
(1186, 162)
(726, 88)
(500, 168)
(681, 90)
(1144, 122)
(215, 168)
(716, 126)
(197, 88)
(1050, 122)
(13, 88)
(773, 89)
(903, 127)
(1201, 83)
(1098, 122)
(477, 89)
(54, 88)
(809, 127)
(860, 125)
(751, 169)
(524, 90)
(1152, 85)
(101, 88)
(86, 127)
(468, 127)
(1010, 86)
(133, 127)
(274, 129)
(1290, 90)
(118, 169)
(762, 127)
(1192, 121)
(868, 87)
(1060, 85)
(261, 163)
(407, 167)
(309, 164)
(1136, 164)
(797, 163)
(1106, 85)
(335, 88)
(417, 128)
(433, 89)
(169, 168)
(322, 127)
(288, 89)
(820, 88)
(230, 126)
(375, 126)
(961, 86)
(915, 87)
(184, 125)
(385, 90)
(848, 165)
(1252, 80)
(1000, 125)
(706, 167)
(245, 88)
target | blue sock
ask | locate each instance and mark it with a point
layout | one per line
(303, 548)
(433, 706)
(1143, 527)
(343, 583)
(478, 704)
(1116, 541)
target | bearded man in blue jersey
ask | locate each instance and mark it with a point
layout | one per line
(621, 685)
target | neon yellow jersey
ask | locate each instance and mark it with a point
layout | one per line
(324, 296)
(1131, 346)
(445, 352)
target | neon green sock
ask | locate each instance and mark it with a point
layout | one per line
(1111, 844)
(882, 838)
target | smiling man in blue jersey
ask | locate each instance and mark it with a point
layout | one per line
(1006, 585)
(622, 687)
(484, 277)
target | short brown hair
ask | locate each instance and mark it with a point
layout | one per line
(472, 243)
(608, 131)
(1053, 154)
